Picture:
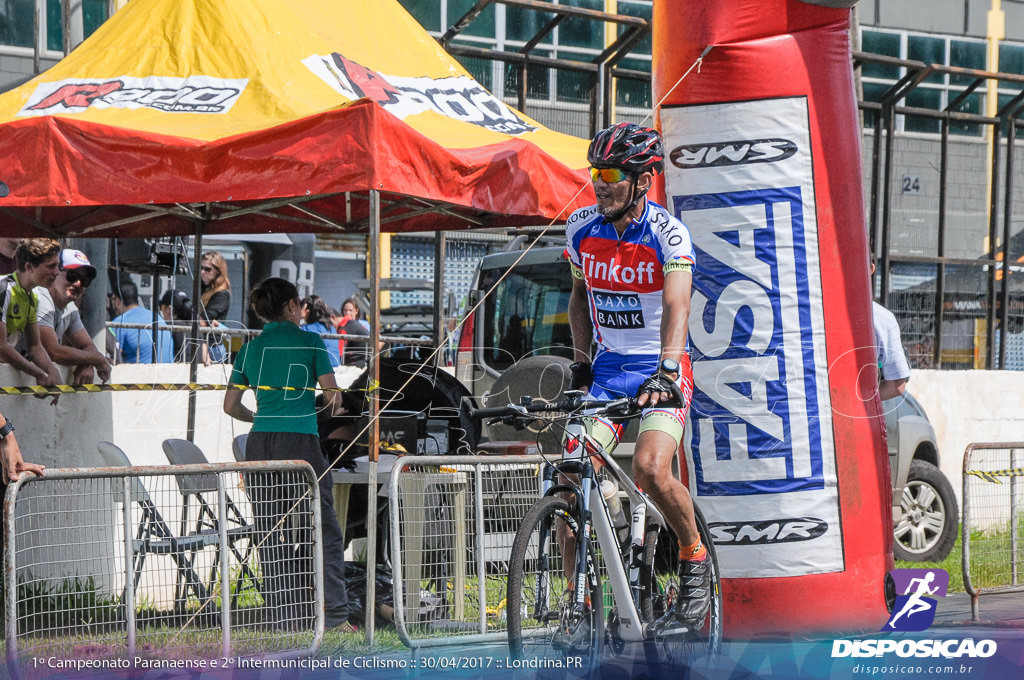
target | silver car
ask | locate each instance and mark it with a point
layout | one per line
(924, 507)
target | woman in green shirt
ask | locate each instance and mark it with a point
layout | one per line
(285, 428)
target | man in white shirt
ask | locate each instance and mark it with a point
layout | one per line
(60, 327)
(893, 369)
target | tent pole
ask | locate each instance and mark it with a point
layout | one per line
(439, 316)
(372, 396)
(193, 342)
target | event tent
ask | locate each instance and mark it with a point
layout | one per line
(240, 117)
(202, 116)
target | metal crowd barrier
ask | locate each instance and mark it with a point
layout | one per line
(163, 564)
(991, 524)
(452, 523)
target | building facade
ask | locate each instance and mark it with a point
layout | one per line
(938, 213)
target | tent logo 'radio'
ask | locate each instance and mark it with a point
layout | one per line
(195, 94)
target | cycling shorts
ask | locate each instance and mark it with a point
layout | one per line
(616, 376)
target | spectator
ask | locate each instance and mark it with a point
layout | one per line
(353, 352)
(893, 369)
(216, 301)
(38, 265)
(285, 428)
(315, 318)
(136, 344)
(13, 467)
(8, 246)
(175, 306)
(60, 327)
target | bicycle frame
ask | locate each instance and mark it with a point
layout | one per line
(580, 451)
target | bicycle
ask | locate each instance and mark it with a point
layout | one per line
(546, 616)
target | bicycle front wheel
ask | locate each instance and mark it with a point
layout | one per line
(542, 622)
(659, 588)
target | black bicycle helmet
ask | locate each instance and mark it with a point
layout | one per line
(628, 146)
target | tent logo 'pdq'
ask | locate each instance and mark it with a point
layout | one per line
(458, 97)
(195, 94)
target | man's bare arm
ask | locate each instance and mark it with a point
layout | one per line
(81, 350)
(675, 316)
(579, 321)
(9, 355)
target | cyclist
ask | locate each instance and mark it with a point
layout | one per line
(632, 265)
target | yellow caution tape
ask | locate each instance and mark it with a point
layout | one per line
(993, 475)
(159, 387)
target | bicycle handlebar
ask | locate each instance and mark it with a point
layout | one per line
(625, 406)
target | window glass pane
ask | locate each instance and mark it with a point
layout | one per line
(923, 99)
(537, 85)
(54, 26)
(482, 26)
(643, 11)
(16, 22)
(480, 69)
(523, 24)
(574, 86)
(873, 91)
(974, 103)
(1011, 58)
(426, 12)
(94, 13)
(887, 44)
(966, 55)
(928, 50)
(629, 92)
(580, 32)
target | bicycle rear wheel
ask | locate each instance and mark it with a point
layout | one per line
(541, 621)
(659, 587)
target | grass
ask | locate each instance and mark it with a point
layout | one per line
(991, 553)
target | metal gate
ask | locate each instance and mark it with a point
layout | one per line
(163, 565)
(993, 498)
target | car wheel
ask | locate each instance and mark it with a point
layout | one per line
(927, 530)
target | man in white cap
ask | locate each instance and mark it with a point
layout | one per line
(60, 325)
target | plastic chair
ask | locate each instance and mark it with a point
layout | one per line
(154, 536)
(238, 447)
(184, 452)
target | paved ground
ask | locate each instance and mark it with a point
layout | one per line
(994, 609)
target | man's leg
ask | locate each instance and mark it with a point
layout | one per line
(652, 469)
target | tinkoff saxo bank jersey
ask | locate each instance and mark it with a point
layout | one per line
(625, 276)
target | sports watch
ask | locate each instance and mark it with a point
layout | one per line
(669, 366)
(6, 429)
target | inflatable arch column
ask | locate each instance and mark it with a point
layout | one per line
(784, 446)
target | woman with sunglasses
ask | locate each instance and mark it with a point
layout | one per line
(216, 301)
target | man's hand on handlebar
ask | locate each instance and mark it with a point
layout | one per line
(581, 375)
(659, 390)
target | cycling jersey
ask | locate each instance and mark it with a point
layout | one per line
(625, 275)
(18, 307)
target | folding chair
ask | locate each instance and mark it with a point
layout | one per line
(184, 452)
(154, 536)
(238, 447)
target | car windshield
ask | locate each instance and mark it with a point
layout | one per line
(527, 314)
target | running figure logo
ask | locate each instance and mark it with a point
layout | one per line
(914, 609)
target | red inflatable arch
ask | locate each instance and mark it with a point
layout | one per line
(785, 450)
